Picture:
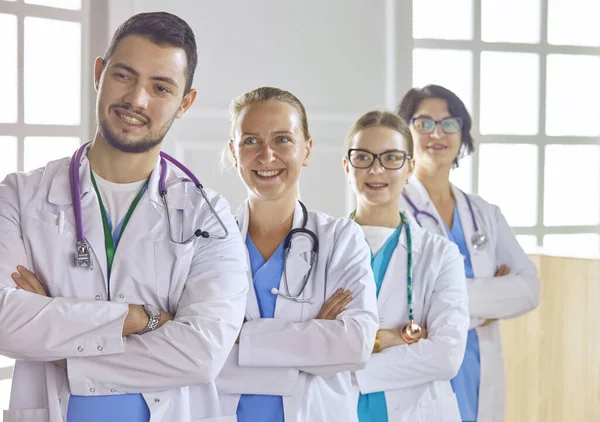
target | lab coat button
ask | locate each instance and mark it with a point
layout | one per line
(92, 390)
(121, 296)
(156, 400)
(100, 348)
(80, 349)
(112, 390)
(98, 297)
(398, 407)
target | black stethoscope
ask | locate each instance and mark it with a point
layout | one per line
(287, 245)
(478, 240)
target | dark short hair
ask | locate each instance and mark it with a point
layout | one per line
(413, 98)
(163, 29)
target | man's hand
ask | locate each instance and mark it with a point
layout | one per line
(335, 305)
(26, 280)
(137, 319)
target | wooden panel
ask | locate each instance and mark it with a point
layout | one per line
(552, 355)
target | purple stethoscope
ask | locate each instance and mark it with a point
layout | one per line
(83, 257)
(478, 240)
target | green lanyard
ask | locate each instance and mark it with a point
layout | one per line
(409, 264)
(109, 242)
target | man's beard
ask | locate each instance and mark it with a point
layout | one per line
(140, 146)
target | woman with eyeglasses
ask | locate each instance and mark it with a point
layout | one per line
(501, 280)
(419, 277)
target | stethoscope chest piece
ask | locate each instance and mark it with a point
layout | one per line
(479, 240)
(411, 332)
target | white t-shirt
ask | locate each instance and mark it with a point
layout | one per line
(117, 197)
(377, 236)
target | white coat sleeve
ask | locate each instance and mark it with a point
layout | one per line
(509, 296)
(193, 347)
(236, 379)
(439, 356)
(323, 347)
(35, 327)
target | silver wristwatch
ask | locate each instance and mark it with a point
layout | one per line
(154, 318)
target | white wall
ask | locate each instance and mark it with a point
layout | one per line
(340, 57)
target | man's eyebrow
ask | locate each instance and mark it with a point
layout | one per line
(134, 72)
(127, 68)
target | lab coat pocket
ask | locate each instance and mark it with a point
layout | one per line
(443, 409)
(232, 418)
(172, 264)
(26, 415)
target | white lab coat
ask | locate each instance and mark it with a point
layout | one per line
(489, 297)
(416, 377)
(203, 284)
(294, 355)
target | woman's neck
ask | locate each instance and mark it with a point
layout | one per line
(269, 217)
(436, 181)
(380, 215)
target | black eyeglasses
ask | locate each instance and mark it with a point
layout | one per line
(449, 125)
(390, 160)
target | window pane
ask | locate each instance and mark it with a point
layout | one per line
(452, 69)
(527, 242)
(510, 21)
(52, 76)
(61, 4)
(574, 22)
(443, 19)
(40, 150)
(8, 69)
(509, 93)
(581, 244)
(572, 100)
(572, 185)
(508, 178)
(6, 362)
(8, 157)
(461, 176)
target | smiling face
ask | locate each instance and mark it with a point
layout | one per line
(377, 185)
(438, 148)
(269, 149)
(140, 93)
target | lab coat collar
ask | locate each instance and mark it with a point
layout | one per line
(178, 186)
(297, 264)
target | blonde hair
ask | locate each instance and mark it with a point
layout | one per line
(262, 95)
(381, 118)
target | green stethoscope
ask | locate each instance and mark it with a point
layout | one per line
(412, 331)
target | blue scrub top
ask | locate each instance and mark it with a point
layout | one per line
(466, 382)
(117, 408)
(372, 407)
(266, 275)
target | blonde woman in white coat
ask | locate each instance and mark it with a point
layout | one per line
(311, 314)
(422, 299)
(501, 280)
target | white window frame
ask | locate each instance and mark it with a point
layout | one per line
(20, 129)
(541, 140)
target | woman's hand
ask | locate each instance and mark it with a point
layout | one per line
(390, 337)
(335, 305)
